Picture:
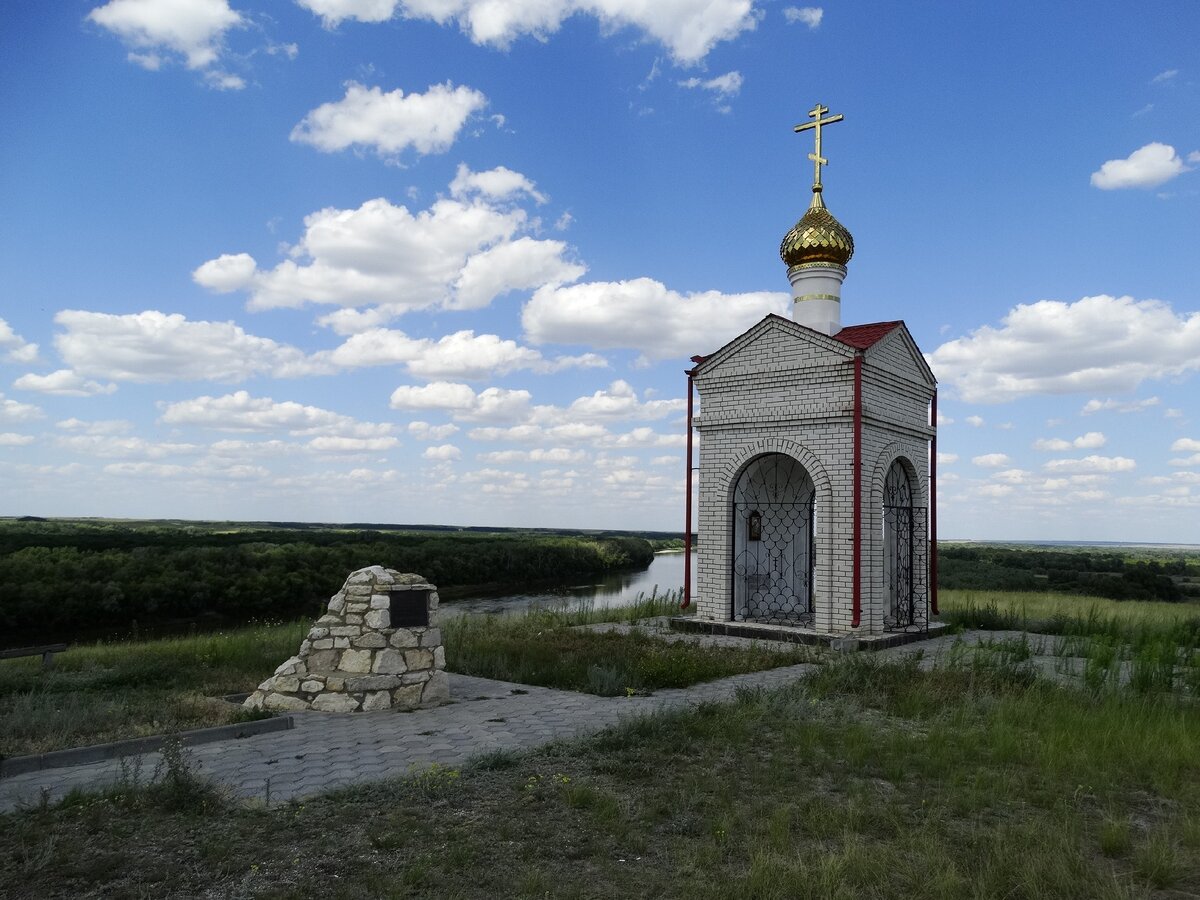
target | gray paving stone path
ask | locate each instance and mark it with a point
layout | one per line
(327, 750)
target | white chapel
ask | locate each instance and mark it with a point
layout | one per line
(817, 447)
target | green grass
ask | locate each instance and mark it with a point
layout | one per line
(607, 664)
(548, 648)
(873, 779)
(105, 692)
(1147, 647)
(1017, 609)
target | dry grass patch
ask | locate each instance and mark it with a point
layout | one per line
(105, 692)
(544, 649)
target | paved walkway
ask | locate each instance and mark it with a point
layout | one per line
(327, 750)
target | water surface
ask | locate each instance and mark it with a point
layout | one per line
(664, 574)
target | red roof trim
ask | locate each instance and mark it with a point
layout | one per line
(862, 337)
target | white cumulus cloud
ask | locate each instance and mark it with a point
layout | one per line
(12, 439)
(500, 183)
(1089, 441)
(805, 15)
(424, 431)
(1100, 343)
(443, 452)
(13, 347)
(493, 404)
(462, 354)
(390, 123)
(152, 346)
(442, 396)
(688, 28)
(643, 437)
(123, 447)
(1011, 476)
(63, 383)
(620, 401)
(723, 87)
(335, 11)
(1119, 406)
(523, 263)
(1146, 167)
(571, 433)
(460, 253)
(1091, 464)
(1051, 444)
(555, 455)
(991, 460)
(193, 29)
(12, 411)
(240, 411)
(509, 415)
(643, 314)
(227, 272)
(336, 444)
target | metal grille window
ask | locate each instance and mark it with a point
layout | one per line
(905, 561)
(773, 542)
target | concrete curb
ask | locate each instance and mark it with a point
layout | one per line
(846, 643)
(78, 756)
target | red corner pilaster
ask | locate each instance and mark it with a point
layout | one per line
(933, 553)
(687, 502)
(856, 619)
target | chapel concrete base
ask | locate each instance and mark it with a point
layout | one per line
(848, 642)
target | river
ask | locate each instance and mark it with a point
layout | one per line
(665, 573)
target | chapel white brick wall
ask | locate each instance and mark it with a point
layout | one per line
(783, 388)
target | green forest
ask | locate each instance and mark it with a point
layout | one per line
(63, 578)
(1122, 573)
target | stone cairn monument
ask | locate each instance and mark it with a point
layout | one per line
(375, 648)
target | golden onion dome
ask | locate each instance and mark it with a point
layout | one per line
(817, 238)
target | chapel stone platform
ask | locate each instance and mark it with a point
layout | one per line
(796, 635)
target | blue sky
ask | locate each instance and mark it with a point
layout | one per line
(446, 260)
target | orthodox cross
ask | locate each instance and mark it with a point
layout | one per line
(818, 160)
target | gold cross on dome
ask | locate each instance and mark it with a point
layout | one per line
(815, 113)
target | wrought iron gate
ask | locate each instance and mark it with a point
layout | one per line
(905, 556)
(773, 543)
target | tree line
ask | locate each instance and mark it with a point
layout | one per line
(58, 581)
(1168, 576)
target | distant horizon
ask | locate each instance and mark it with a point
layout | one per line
(1049, 542)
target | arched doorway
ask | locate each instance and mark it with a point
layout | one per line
(904, 554)
(773, 542)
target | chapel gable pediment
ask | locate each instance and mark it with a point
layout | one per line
(774, 344)
(898, 352)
